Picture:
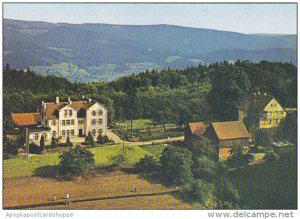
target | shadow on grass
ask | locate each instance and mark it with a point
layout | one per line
(49, 171)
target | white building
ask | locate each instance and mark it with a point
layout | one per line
(61, 119)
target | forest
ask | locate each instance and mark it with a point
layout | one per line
(202, 93)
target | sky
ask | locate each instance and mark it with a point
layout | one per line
(243, 18)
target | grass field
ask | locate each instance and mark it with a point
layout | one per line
(144, 130)
(272, 185)
(46, 164)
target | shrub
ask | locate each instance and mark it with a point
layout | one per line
(34, 148)
(42, 143)
(227, 195)
(102, 139)
(54, 142)
(90, 139)
(68, 142)
(75, 161)
(10, 146)
(119, 159)
(204, 168)
(262, 138)
(271, 156)
(206, 148)
(176, 165)
(237, 156)
(199, 191)
(147, 164)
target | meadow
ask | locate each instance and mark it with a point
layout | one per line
(46, 164)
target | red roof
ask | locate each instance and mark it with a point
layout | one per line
(25, 119)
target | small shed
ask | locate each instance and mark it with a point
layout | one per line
(193, 132)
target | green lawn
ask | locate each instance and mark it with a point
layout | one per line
(46, 164)
(155, 150)
(272, 185)
(144, 130)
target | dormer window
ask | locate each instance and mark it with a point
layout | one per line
(70, 112)
(66, 113)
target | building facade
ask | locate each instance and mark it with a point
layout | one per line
(225, 135)
(62, 119)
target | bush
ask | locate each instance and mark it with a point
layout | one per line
(102, 139)
(227, 195)
(176, 165)
(119, 159)
(42, 143)
(204, 168)
(262, 138)
(75, 162)
(54, 143)
(34, 148)
(271, 156)
(68, 142)
(147, 164)
(206, 148)
(237, 156)
(199, 191)
(90, 139)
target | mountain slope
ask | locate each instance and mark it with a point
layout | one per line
(87, 52)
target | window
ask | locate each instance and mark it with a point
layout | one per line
(100, 131)
(68, 132)
(70, 112)
(36, 136)
(94, 132)
(67, 122)
(100, 121)
(63, 132)
(80, 122)
(45, 136)
(66, 113)
(100, 112)
(94, 113)
(72, 121)
(93, 121)
(53, 122)
(277, 121)
(54, 134)
(63, 122)
(72, 132)
(270, 121)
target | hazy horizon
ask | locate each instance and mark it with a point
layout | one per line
(278, 19)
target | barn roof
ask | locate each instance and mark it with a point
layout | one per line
(230, 130)
(197, 128)
(26, 119)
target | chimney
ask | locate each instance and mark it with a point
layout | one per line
(69, 100)
(57, 100)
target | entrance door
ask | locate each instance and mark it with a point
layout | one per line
(80, 132)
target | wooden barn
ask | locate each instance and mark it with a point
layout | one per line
(224, 135)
